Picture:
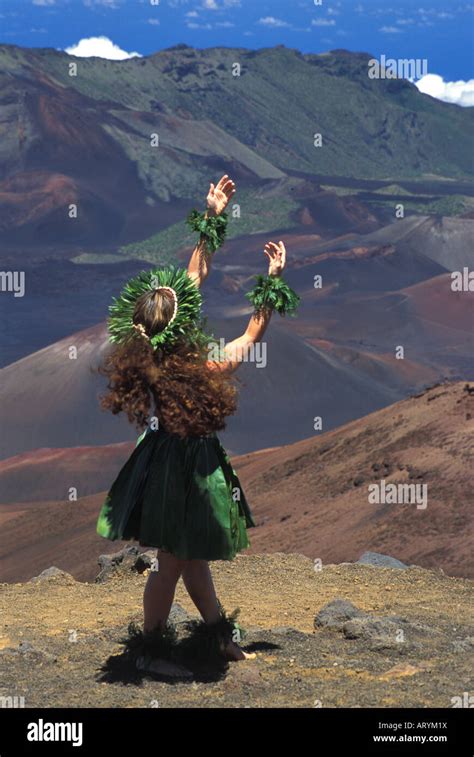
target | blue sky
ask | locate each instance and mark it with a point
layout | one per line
(440, 31)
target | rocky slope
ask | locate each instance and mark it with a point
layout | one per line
(86, 138)
(310, 497)
(344, 636)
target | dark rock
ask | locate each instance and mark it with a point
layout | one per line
(372, 629)
(144, 561)
(380, 561)
(336, 613)
(387, 633)
(244, 675)
(51, 573)
(463, 645)
(117, 557)
(27, 648)
(178, 614)
(284, 630)
(125, 559)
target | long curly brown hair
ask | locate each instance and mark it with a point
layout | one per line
(191, 399)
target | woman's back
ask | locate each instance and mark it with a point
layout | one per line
(178, 386)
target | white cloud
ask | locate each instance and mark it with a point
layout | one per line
(153, 21)
(106, 3)
(272, 21)
(203, 5)
(441, 14)
(192, 25)
(323, 22)
(44, 2)
(390, 30)
(216, 5)
(99, 47)
(458, 92)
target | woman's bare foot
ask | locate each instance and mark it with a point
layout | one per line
(232, 651)
(161, 667)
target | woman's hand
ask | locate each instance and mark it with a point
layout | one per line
(277, 256)
(219, 197)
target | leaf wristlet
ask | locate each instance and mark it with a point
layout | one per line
(274, 293)
(212, 229)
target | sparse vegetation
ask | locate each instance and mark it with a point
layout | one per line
(370, 128)
(257, 215)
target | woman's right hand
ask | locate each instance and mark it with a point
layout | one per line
(277, 256)
(220, 196)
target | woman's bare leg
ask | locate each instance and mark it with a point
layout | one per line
(159, 591)
(197, 579)
(157, 600)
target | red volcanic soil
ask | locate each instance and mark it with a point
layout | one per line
(66, 411)
(435, 301)
(354, 253)
(65, 155)
(54, 471)
(62, 120)
(311, 497)
(379, 366)
(246, 253)
(329, 211)
(319, 505)
(28, 196)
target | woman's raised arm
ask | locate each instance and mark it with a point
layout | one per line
(235, 352)
(217, 200)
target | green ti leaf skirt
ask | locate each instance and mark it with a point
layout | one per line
(181, 495)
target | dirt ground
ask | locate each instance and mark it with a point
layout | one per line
(60, 639)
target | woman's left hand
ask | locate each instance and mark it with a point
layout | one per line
(276, 254)
(220, 196)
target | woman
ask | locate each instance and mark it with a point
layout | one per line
(178, 491)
